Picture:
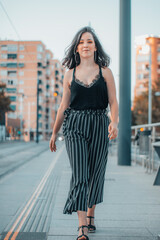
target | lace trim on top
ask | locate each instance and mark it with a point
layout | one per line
(97, 77)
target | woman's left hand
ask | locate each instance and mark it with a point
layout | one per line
(113, 130)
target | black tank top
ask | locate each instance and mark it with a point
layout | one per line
(92, 96)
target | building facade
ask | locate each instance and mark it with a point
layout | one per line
(147, 62)
(32, 76)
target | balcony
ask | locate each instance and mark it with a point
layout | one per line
(12, 56)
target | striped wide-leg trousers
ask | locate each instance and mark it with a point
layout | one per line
(86, 140)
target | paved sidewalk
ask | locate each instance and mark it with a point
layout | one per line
(130, 211)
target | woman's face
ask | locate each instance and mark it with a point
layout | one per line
(86, 46)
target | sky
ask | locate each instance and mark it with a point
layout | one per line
(55, 23)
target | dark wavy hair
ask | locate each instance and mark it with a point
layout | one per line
(72, 58)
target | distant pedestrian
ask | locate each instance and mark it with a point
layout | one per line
(88, 88)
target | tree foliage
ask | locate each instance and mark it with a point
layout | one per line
(140, 111)
(4, 101)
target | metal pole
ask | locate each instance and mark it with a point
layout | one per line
(29, 119)
(37, 134)
(124, 143)
(21, 119)
(150, 88)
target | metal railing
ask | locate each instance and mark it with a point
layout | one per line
(147, 156)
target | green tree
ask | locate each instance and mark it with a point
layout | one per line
(140, 111)
(4, 101)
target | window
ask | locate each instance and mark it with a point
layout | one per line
(12, 82)
(12, 65)
(39, 64)
(56, 72)
(11, 90)
(142, 58)
(46, 126)
(39, 115)
(21, 82)
(21, 90)
(40, 81)
(158, 58)
(158, 49)
(12, 48)
(141, 86)
(47, 110)
(12, 73)
(21, 56)
(21, 73)
(52, 67)
(3, 64)
(143, 66)
(48, 71)
(47, 94)
(40, 125)
(21, 65)
(12, 56)
(40, 107)
(48, 56)
(39, 73)
(140, 76)
(21, 47)
(3, 80)
(40, 90)
(57, 65)
(146, 75)
(47, 86)
(39, 48)
(4, 47)
(13, 107)
(4, 56)
(12, 98)
(39, 56)
(3, 72)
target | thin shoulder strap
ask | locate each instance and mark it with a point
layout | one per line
(100, 71)
(73, 72)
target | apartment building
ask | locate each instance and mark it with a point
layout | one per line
(147, 53)
(33, 78)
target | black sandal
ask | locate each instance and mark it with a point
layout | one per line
(91, 228)
(83, 235)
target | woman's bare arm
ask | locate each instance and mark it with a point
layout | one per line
(64, 102)
(107, 73)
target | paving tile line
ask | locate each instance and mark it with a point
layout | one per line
(21, 219)
(39, 218)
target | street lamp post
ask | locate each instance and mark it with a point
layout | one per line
(150, 88)
(21, 114)
(37, 134)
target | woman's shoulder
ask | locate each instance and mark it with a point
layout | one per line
(68, 75)
(106, 70)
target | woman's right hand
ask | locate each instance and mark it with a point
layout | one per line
(52, 144)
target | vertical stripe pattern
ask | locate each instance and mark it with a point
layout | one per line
(86, 140)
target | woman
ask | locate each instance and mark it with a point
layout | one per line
(88, 88)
